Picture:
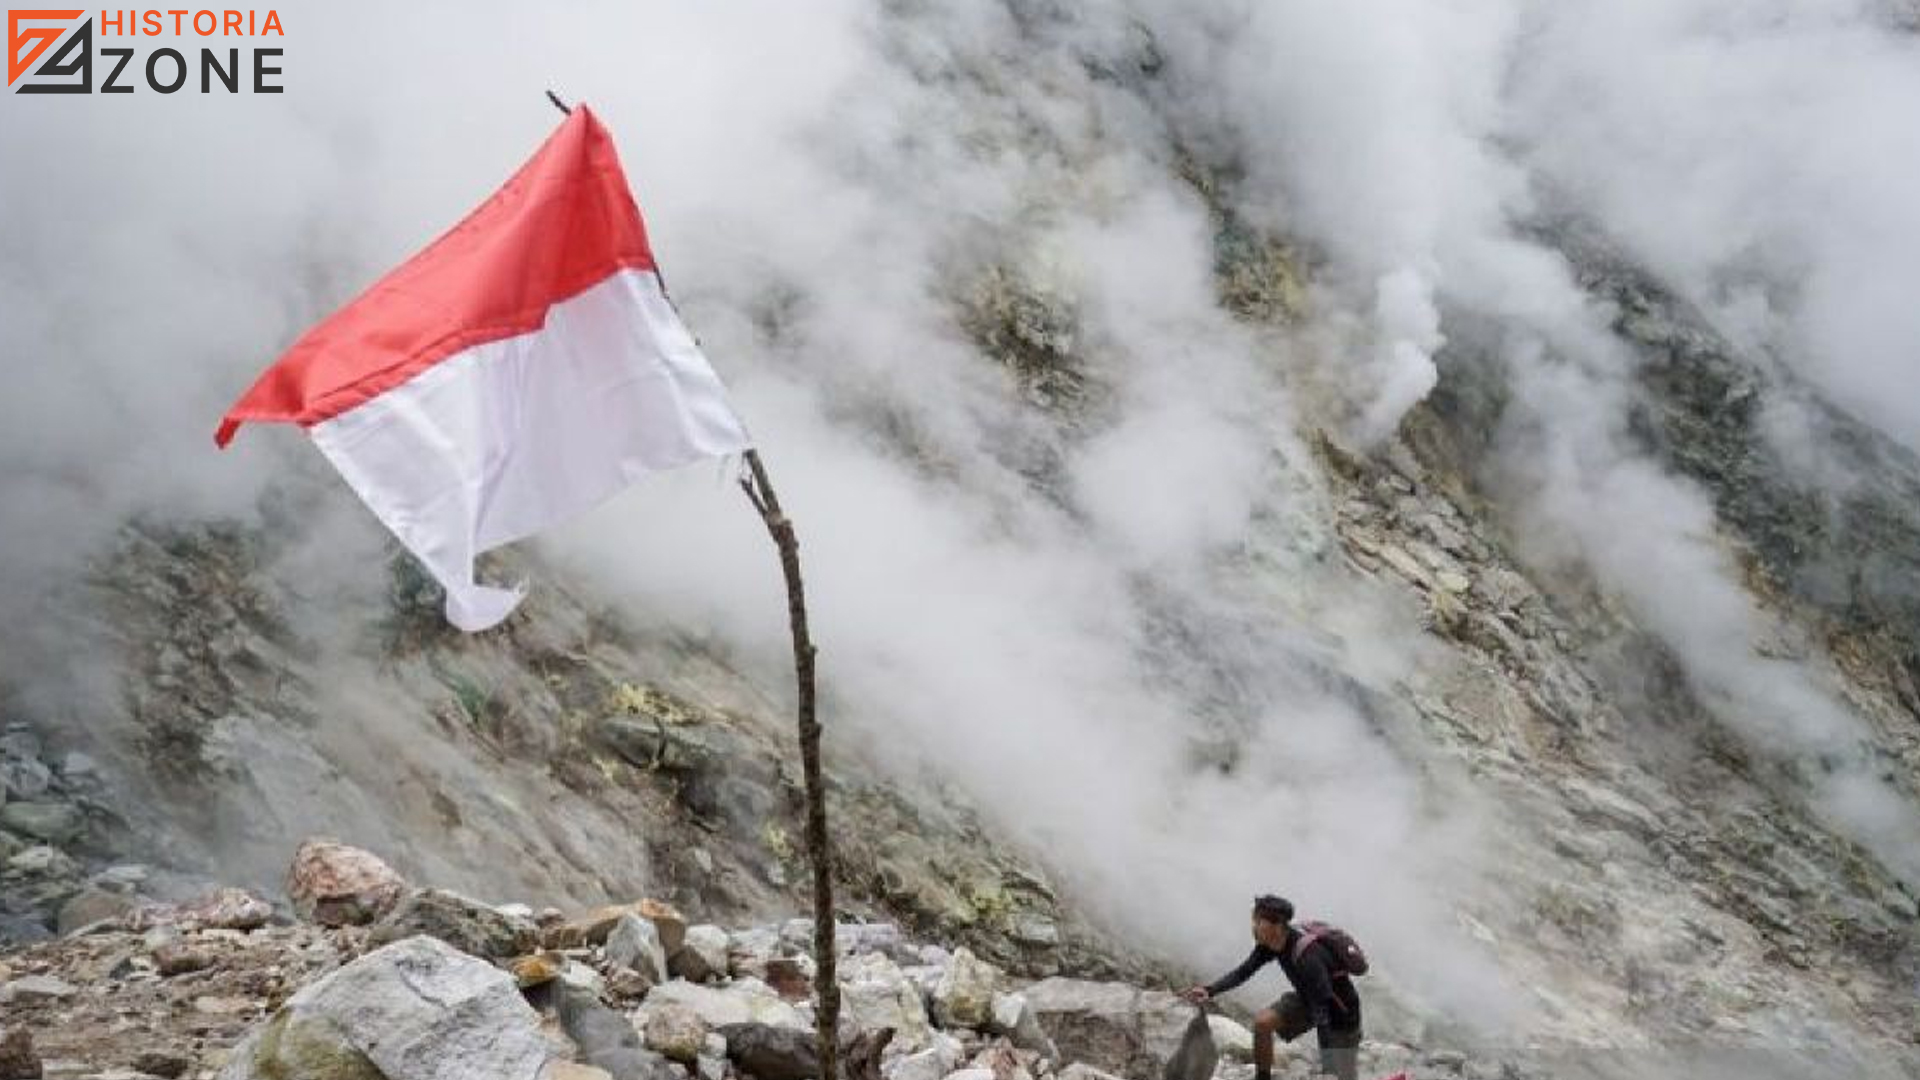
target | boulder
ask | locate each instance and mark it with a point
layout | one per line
(676, 1033)
(53, 822)
(91, 906)
(468, 925)
(35, 988)
(607, 1040)
(1232, 1037)
(1113, 1027)
(417, 1009)
(702, 956)
(335, 884)
(934, 1063)
(667, 921)
(635, 944)
(963, 997)
(594, 927)
(1015, 1018)
(743, 1001)
(875, 995)
(771, 1053)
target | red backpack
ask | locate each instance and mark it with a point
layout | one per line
(1347, 957)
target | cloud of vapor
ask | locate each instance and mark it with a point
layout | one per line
(1747, 150)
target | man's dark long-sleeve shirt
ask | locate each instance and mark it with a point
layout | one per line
(1331, 1003)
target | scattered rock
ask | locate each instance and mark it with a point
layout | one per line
(56, 823)
(677, 1033)
(1111, 1026)
(606, 1039)
(876, 995)
(18, 1061)
(468, 925)
(667, 920)
(414, 1010)
(1232, 1037)
(964, 995)
(702, 956)
(743, 1001)
(334, 884)
(178, 958)
(34, 988)
(788, 976)
(162, 1064)
(635, 944)
(538, 969)
(228, 909)
(1015, 1018)
(933, 1063)
(771, 1053)
(89, 907)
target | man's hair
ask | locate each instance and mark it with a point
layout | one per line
(1274, 909)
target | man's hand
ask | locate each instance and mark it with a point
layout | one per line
(1196, 994)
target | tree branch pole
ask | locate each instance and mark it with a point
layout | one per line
(819, 847)
(760, 493)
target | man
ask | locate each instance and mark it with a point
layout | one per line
(1322, 999)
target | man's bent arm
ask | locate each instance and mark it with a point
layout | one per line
(1240, 974)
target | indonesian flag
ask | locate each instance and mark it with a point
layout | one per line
(522, 368)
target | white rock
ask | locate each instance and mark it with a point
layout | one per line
(876, 994)
(972, 1074)
(702, 956)
(742, 1001)
(36, 988)
(417, 1009)
(964, 995)
(1014, 1017)
(1232, 1037)
(934, 1063)
(635, 943)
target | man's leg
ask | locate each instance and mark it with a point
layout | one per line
(1264, 1025)
(1340, 1053)
(1286, 1018)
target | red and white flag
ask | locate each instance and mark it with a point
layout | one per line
(522, 368)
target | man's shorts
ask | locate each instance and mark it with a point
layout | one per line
(1339, 1056)
(1296, 1021)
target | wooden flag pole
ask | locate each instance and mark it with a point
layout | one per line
(760, 493)
(819, 850)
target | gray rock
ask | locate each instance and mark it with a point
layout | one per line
(29, 988)
(27, 779)
(1015, 1018)
(78, 766)
(89, 907)
(1111, 1026)
(771, 1053)
(42, 861)
(56, 823)
(702, 956)
(467, 925)
(635, 944)
(20, 744)
(677, 1033)
(415, 1010)
(605, 1039)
